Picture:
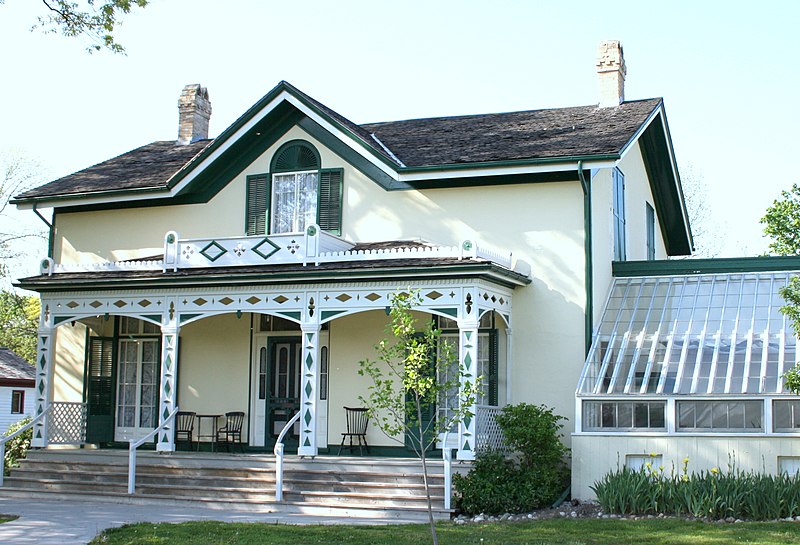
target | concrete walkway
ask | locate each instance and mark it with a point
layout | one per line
(76, 522)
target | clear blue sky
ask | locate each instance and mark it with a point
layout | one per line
(728, 71)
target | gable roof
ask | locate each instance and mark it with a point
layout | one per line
(584, 132)
(14, 368)
(547, 145)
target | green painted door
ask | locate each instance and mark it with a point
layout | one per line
(283, 399)
(100, 387)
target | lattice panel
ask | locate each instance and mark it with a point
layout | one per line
(66, 423)
(488, 432)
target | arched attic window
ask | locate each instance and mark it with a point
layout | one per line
(295, 193)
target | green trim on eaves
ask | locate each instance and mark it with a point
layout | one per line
(324, 137)
(672, 267)
(667, 194)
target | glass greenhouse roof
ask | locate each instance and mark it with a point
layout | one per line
(695, 334)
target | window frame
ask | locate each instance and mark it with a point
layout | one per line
(618, 212)
(17, 401)
(298, 213)
(650, 219)
(714, 429)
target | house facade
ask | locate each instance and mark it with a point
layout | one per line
(16, 389)
(253, 271)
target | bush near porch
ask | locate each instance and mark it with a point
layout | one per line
(17, 448)
(714, 494)
(532, 476)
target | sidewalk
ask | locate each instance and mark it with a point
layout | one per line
(76, 522)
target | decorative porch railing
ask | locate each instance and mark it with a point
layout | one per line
(66, 423)
(487, 430)
(314, 246)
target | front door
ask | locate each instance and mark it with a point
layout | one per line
(137, 388)
(283, 389)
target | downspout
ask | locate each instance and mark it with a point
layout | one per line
(587, 240)
(51, 233)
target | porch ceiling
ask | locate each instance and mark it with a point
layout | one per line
(324, 273)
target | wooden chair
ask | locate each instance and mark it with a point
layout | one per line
(184, 427)
(231, 432)
(357, 420)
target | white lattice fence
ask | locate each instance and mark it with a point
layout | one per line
(489, 434)
(66, 423)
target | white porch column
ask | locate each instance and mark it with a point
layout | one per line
(308, 389)
(468, 359)
(509, 365)
(44, 373)
(165, 441)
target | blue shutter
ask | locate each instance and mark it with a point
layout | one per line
(258, 198)
(329, 208)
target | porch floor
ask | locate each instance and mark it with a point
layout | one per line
(353, 486)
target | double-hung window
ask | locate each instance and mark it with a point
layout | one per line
(294, 201)
(296, 193)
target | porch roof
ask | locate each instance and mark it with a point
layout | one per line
(325, 272)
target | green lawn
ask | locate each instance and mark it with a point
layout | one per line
(7, 518)
(552, 532)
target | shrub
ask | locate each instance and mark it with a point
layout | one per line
(532, 477)
(713, 493)
(17, 448)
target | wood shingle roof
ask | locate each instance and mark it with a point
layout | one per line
(566, 133)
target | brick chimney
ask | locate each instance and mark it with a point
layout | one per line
(195, 111)
(611, 73)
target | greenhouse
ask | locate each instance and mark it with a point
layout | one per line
(694, 353)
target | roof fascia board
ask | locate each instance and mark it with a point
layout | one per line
(475, 170)
(717, 265)
(674, 164)
(488, 271)
(629, 144)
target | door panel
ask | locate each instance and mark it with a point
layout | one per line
(100, 385)
(283, 399)
(137, 388)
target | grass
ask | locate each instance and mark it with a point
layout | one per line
(7, 518)
(551, 532)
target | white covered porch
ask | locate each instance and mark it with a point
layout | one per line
(331, 297)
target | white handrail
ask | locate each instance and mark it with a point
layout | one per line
(278, 451)
(6, 439)
(447, 457)
(136, 444)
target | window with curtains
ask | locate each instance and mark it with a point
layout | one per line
(297, 192)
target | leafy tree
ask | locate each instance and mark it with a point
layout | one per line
(94, 19)
(782, 224)
(405, 386)
(19, 320)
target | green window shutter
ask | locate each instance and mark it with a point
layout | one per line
(329, 210)
(100, 393)
(258, 196)
(493, 368)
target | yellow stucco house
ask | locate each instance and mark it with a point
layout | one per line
(251, 272)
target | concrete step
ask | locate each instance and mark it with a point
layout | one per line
(405, 515)
(323, 482)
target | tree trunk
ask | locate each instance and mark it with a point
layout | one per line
(422, 448)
